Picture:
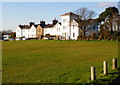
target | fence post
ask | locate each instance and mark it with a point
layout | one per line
(114, 63)
(93, 74)
(105, 67)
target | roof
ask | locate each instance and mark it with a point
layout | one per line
(51, 25)
(83, 23)
(28, 26)
(48, 25)
(24, 26)
(36, 25)
(13, 32)
(93, 20)
(69, 13)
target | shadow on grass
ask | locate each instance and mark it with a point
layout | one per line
(117, 79)
(112, 78)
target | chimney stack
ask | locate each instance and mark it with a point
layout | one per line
(42, 23)
(54, 21)
(31, 23)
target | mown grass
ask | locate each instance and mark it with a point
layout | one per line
(43, 61)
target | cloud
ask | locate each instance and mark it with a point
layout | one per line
(105, 4)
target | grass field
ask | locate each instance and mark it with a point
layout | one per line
(43, 61)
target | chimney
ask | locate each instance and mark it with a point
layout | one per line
(54, 21)
(31, 23)
(42, 23)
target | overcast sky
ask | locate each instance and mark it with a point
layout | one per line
(14, 13)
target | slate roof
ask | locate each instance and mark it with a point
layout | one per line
(28, 26)
(51, 25)
(24, 26)
(86, 22)
(48, 25)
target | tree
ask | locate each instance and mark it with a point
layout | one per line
(13, 35)
(108, 13)
(6, 31)
(85, 16)
(111, 18)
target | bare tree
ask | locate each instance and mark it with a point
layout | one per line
(6, 31)
(85, 13)
(84, 19)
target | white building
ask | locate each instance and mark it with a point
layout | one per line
(26, 31)
(30, 31)
(53, 29)
(68, 28)
(64, 29)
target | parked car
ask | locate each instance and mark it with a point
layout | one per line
(24, 39)
(45, 38)
(17, 39)
(5, 39)
(11, 39)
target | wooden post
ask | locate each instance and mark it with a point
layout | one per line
(105, 67)
(93, 75)
(114, 63)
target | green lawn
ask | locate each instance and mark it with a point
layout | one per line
(48, 61)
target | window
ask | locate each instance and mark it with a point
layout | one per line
(33, 30)
(94, 26)
(73, 26)
(59, 29)
(64, 27)
(73, 34)
(88, 26)
(64, 20)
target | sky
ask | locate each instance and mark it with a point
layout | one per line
(15, 13)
